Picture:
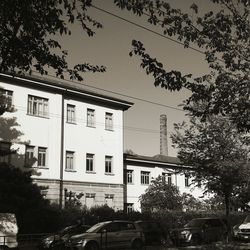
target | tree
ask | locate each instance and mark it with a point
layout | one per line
(161, 195)
(28, 31)
(224, 38)
(218, 154)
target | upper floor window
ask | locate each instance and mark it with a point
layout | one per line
(69, 161)
(108, 164)
(108, 121)
(186, 180)
(90, 162)
(129, 176)
(38, 106)
(145, 177)
(42, 155)
(71, 113)
(7, 97)
(90, 117)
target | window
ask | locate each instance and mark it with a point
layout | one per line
(167, 177)
(186, 180)
(7, 97)
(71, 113)
(90, 200)
(90, 117)
(129, 175)
(42, 152)
(129, 207)
(108, 164)
(109, 198)
(38, 106)
(69, 161)
(5, 152)
(29, 155)
(109, 121)
(89, 162)
(145, 177)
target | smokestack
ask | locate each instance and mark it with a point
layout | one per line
(163, 135)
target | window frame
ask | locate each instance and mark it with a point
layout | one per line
(145, 177)
(186, 176)
(88, 160)
(129, 176)
(109, 167)
(33, 107)
(44, 155)
(8, 95)
(71, 114)
(91, 118)
(72, 161)
(109, 121)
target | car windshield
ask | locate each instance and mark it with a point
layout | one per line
(95, 228)
(195, 223)
(247, 220)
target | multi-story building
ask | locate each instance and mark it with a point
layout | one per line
(139, 171)
(72, 137)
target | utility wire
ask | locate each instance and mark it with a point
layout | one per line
(120, 94)
(145, 28)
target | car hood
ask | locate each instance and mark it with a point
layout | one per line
(78, 236)
(244, 226)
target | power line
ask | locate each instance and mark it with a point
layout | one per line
(147, 29)
(120, 94)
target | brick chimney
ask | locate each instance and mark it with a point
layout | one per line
(163, 135)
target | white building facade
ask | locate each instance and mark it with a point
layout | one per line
(72, 137)
(139, 171)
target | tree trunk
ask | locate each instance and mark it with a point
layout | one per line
(227, 216)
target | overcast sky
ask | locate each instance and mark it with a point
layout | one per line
(110, 47)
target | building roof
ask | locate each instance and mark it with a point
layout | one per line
(68, 88)
(157, 160)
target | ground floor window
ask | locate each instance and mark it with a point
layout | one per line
(129, 207)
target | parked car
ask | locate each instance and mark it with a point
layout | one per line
(200, 230)
(8, 231)
(107, 235)
(153, 232)
(242, 230)
(57, 241)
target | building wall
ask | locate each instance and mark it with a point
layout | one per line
(136, 189)
(46, 132)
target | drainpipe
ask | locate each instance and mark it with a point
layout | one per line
(62, 155)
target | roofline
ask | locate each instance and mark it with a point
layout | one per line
(124, 105)
(132, 158)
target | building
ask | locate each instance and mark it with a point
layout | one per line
(139, 171)
(72, 137)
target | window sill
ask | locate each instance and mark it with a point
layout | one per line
(110, 130)
(38, 116)
(144, 184)
(73, 123)
(90, 172)
(109, 174)
(88, 126)
(69, 170)
(38, 167)
(129, 183)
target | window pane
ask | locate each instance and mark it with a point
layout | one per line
(90, 162)
(42, 157)
(108, 164)
(37, 106)
(69, 160)
(109, 121)
(90, 117)
(70, 113)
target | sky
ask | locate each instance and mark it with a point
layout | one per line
(110, 47)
